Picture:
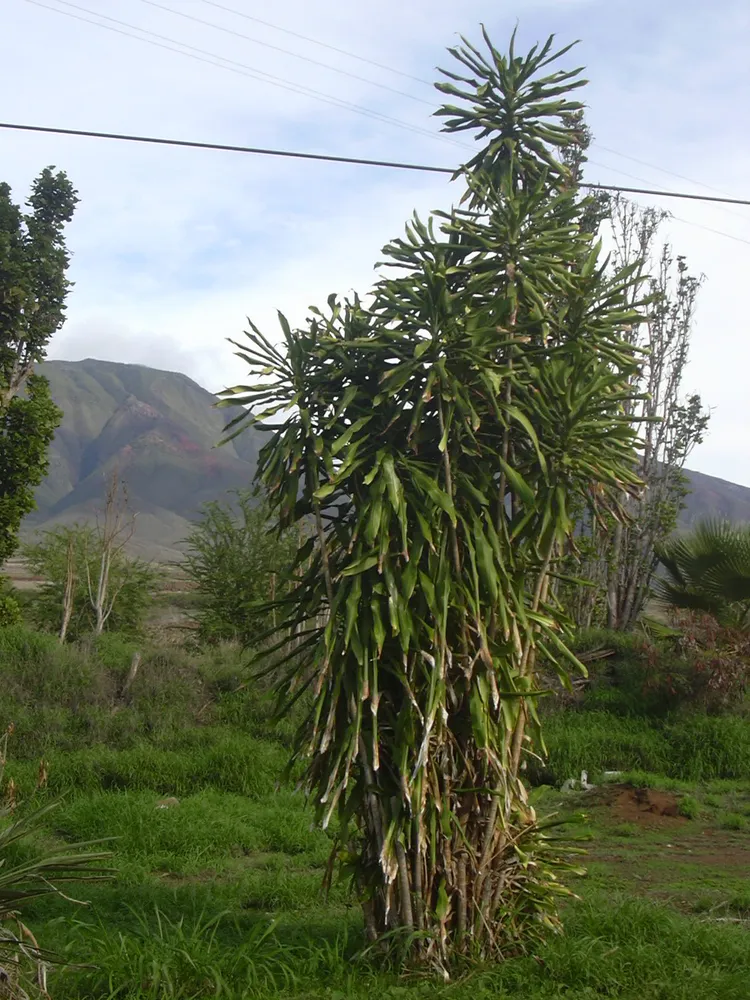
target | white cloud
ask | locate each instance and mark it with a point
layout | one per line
(173, 248)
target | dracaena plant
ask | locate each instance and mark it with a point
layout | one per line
(431, 441)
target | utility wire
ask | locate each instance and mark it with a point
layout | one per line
(262, 151)
(316, 41)
(654, 166)
(429, 83)
(358, 160)
(202, 55)
(245, 70)
(288, 52)
(708, 229)
(635, 177)
(341, 159)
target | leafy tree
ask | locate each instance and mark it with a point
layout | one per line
(435, 435)
(618, 555)
(33, 289)
(69, 559)
(238, 565)
(708, 570)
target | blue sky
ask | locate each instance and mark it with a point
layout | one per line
(174, 248)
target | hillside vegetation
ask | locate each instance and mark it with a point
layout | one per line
(160, 429)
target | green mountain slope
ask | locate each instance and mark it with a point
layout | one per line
(159, 429)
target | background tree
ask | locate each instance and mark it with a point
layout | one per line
(237, 563)
(69, 559)
(33, 289)
(436, 437)
(113, 532)
(618, 554)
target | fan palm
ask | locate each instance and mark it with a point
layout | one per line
(708, 569)
(434, 438)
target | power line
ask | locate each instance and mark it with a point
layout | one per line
(288, 52)
(654, 166)
(235, 67)
(326, 157)
(392, 69)
(245, 70)
(262, 151)
(708, 229)
(667, 194)
(316, 41)
(635, 177)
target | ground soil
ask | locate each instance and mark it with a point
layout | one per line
(645, 806)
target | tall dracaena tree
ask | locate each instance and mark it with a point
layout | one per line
(432, 439)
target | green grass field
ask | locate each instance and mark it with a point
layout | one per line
(219, 895)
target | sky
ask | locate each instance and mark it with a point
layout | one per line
(173, 248)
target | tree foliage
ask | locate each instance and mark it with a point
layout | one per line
(708, 570)
(33, 289)
(69, 560)
(619, 555)
(436, 437)
(237, 562)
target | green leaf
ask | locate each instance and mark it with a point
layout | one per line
(360, 566)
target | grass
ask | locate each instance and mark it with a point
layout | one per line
(690, 807)
(220, 895)
(688, 748)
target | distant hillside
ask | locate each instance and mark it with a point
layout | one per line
(711, 497)
(160, 430)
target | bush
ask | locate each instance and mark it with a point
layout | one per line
(695, 667)
(70, 696)
(10, 609)
(703, 747)
(224, 760)
(238, 564)
(68, 559)
(596, 742)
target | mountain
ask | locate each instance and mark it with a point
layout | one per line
(712, 497)
(159, 430)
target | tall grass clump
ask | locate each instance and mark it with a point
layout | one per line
(226, 760)
(596, 742)
(68, 697)
(685, 747)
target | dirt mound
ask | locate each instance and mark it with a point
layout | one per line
(644, 805)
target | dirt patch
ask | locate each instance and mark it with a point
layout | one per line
(644, 805)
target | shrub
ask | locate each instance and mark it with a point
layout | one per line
(703, 747)
(689, 807)
(10, 611)
(238, 564)
(68, 559)
(596, 742)
(699, 665)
